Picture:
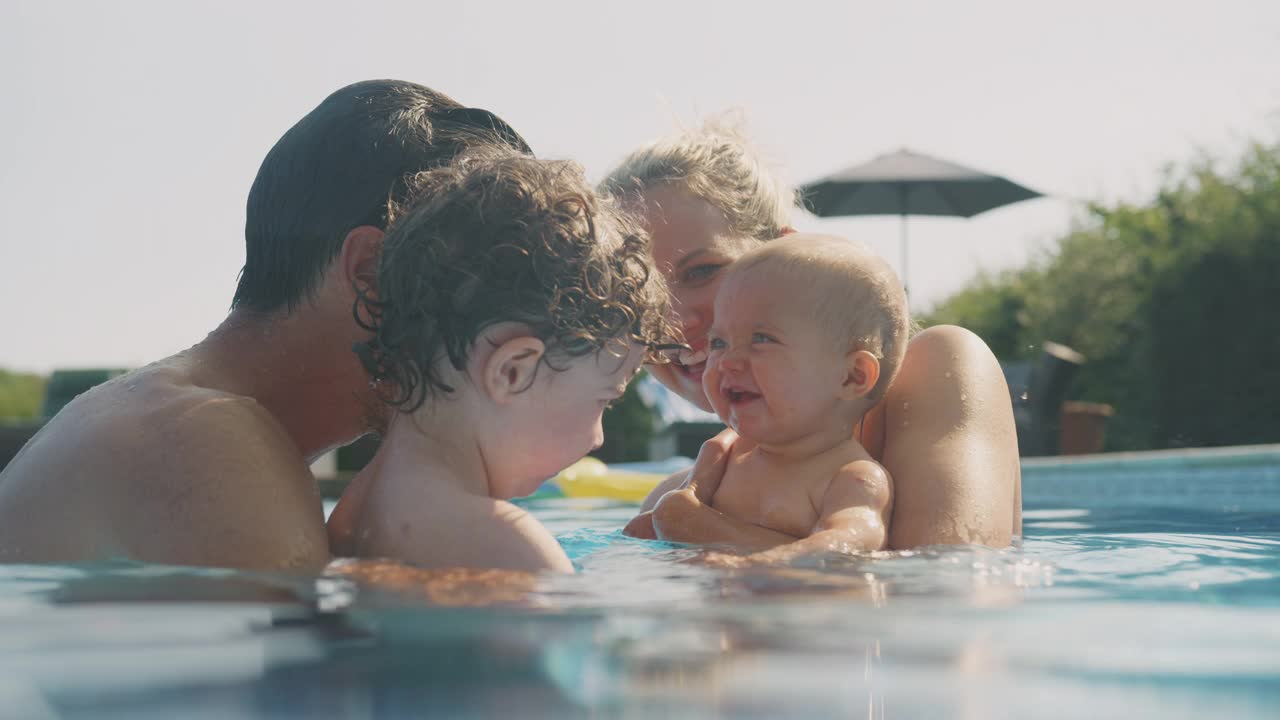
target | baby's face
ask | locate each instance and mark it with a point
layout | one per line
(772, 374)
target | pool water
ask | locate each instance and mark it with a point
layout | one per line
(1149, 594)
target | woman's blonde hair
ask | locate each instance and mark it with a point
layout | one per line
(717, 163)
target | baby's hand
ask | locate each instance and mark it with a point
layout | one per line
(708, 469)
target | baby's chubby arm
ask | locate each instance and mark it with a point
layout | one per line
(708, 469)
(685, 514)
(853, 517)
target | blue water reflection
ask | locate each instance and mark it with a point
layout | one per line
(1110, 610)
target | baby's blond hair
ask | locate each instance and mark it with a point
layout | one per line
(855, 295)
(717, 163)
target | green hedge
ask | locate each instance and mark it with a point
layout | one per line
(21, 395)
(1174, 302)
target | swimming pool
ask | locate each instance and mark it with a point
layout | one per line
(1144, 588)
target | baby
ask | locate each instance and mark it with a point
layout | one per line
(512, 305)
(808, 334)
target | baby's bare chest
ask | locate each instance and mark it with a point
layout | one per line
(776, 500)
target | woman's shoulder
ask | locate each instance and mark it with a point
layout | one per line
(948, 345)
(946, 357)
(947, 375)
(947, 437)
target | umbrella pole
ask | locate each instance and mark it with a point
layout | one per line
(905, 285)
(902, 211)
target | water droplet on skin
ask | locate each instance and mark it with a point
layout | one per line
(946, 374)
(963, 397)
(906, 406)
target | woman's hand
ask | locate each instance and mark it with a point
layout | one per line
(641, 526)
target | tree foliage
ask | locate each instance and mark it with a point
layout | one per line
(628, 426)
(1173, 302)
(20, 396)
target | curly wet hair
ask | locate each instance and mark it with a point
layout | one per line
(495, 237)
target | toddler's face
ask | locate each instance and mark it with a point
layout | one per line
(561, 416)
(772, 374)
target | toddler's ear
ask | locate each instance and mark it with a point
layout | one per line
(862, 372)
(511, 367)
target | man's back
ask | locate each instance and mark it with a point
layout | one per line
(157, 466)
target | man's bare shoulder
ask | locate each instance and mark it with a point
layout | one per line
(153, 466)
(174, 431)
(223, 467)
(152, 403)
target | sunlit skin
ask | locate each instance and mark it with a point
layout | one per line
(772, 373)
(435, 494)
(203, 458)
(692, 272)
(794, 395)
(944, 430)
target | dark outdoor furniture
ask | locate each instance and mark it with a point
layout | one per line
(1038, 390)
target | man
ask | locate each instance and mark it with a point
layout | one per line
(203, 458)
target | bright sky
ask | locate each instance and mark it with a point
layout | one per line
(132, 130)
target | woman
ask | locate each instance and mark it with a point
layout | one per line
(944, 430)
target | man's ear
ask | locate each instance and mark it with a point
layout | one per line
(862, 372)
(511, 367)
(358, 258)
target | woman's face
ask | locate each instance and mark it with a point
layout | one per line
(692, 244)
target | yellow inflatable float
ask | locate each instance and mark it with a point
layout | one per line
(590, 478)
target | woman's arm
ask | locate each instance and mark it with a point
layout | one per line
(950, 444)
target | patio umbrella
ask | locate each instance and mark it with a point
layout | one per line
(906, 183)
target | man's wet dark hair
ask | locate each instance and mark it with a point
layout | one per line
(340, 167)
